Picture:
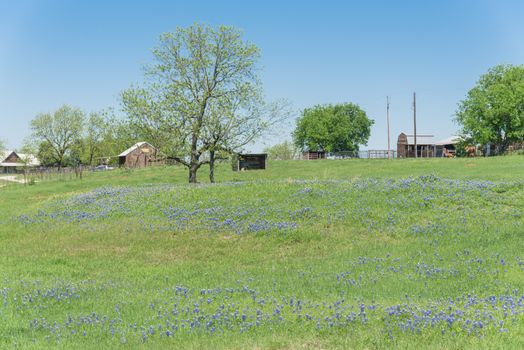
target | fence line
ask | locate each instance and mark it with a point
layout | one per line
(30, 176)
(369, 154)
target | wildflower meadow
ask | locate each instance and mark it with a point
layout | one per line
(322, 254)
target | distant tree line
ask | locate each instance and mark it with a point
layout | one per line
(69, 137)
(202, 100)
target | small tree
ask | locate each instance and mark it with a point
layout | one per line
(200, 90)
(116, 136)
(493, 111)
(238, 122)
(58, 131)
(94, 133)
(282, 151)
(332, 128)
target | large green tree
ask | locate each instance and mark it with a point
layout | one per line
(332, 128)
(493, 111)
(202, 95)
(58, 132)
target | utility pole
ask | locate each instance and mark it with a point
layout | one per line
(415, 122)
(389, 138)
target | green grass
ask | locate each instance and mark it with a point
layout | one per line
(306, 254)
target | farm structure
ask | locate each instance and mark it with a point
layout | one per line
(250, 161)
(140, 155)
(312, 155)
(12, 162)
(425, 146)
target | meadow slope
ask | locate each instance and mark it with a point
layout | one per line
(307, 254)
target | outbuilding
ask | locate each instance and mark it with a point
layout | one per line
(312, 155)
(425, 146)
(140, 155)
(253, 161)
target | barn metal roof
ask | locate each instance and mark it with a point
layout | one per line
(421, 140)
(134, 147)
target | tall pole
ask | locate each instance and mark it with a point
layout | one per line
(415, 122)
(389, 137)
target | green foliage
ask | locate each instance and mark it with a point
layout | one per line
(58, 131)
(117, 136)
(282, 151)
(332, 128)
(202, 95)
(493, 111)
(45, 154)
(93, 139)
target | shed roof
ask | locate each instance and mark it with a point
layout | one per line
(421, 140)
(134, 147)
(449, 141)
(253, 154)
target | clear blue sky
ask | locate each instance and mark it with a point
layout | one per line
(85, 52)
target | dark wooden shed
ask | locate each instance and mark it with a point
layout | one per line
(312, 155)
(140, 155)
(251, 162)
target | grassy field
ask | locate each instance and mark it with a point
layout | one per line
(307, 254)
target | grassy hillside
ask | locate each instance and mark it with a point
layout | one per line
(307, 254)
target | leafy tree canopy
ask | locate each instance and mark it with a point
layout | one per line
(59, 131)
(332, 128)
(202, 95)
(493, 111)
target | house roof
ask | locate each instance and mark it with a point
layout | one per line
(134, 147)
(4, 155)
(421, 140)
(449, 141)
(26, 159)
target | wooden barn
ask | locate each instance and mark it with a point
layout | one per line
(251, 162)
(312, 155)
(425, 147)
(140, 155)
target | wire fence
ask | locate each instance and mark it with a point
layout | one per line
(368, 154)
(30, 176)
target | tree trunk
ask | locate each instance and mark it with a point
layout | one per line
(504, 146)
(193, 168)
(212, 166)
(60, 161)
